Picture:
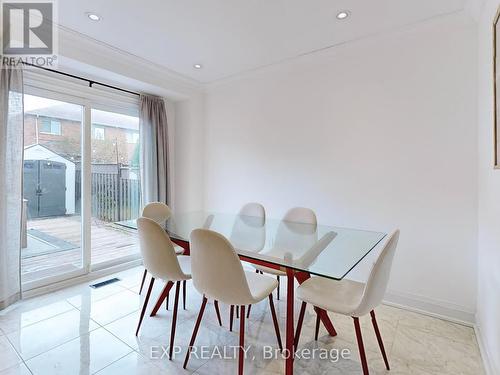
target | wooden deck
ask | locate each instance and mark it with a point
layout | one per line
(108, 242)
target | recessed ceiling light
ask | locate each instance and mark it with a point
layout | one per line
(93, 16)
(197, 66)
(343, 15)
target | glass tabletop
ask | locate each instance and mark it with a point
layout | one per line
(318, 249)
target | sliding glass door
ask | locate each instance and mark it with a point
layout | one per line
(115, 190)
(51, 235)
(81, 176)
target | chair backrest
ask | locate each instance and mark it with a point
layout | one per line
(157, 211)
(158, 251)
(296, 233)
(253, 209)
(379, 277)
(301, 215)
(216, 268)
(249, 231)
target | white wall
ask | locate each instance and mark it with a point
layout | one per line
(488, 301)
(375, 134)
(188, 154)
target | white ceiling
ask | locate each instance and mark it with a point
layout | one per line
(229, 37)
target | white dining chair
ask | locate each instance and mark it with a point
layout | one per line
(162, 263)
(219, 275)
(299, 215)
(249, 233)
(160, 212)
(253, 209)
(351, 298)
(157, 211)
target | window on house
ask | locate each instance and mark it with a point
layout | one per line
(132, 137)
(50, 126)
(98, 132)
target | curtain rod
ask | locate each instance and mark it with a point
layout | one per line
(90, 82)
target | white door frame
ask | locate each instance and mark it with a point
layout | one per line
(41, 84)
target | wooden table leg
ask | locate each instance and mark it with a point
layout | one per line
(289, 351)
(325, 319)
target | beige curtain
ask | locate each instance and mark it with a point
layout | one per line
(11, 164)
(154, 150)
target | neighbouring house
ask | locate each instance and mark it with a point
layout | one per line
(52, 161)
(115, 137)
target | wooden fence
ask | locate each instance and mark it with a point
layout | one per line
(113, 197)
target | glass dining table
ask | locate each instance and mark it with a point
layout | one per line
(300, 250)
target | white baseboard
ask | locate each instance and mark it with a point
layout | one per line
(485, 355)
(446, 311)
(435, 308)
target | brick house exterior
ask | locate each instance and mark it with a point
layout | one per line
(110, 144)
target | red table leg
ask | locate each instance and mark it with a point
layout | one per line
(183, 244)
(289, 351)
(303, 276)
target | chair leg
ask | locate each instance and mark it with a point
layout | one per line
(163, 295)
(143, 280)
(316, 332)
(167, 302)
(248, 312)
(299, 324)
(174, 319)
(145, 305)
(278, 289)
(275, 321)
(217, 311)
(237, 312)
(195, 331)
(184, 283)
(379, 339)
(231, 313)
(361, 347)
(241, 353)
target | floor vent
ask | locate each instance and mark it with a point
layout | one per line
(104, 283)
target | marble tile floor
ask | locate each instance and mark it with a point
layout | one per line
(80, 330)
